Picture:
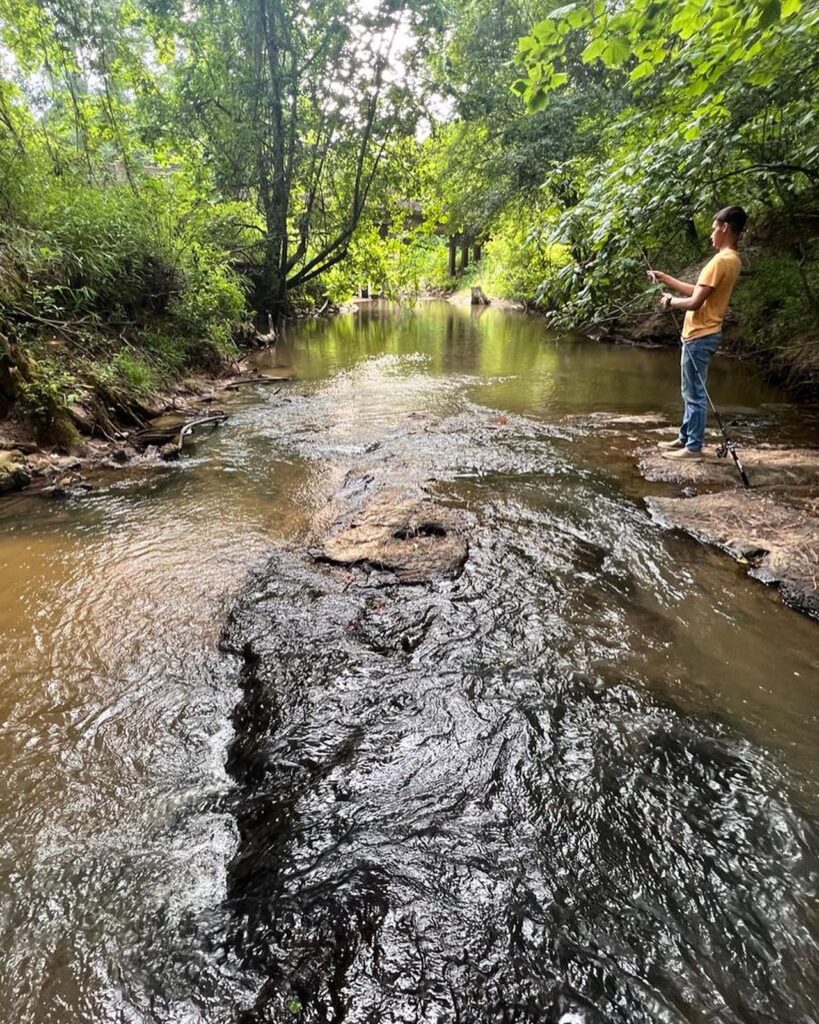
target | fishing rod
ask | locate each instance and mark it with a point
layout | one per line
(727, 446)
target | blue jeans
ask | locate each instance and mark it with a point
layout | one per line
(696, 356)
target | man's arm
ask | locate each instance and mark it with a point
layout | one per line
(683, 287)
(700, 293)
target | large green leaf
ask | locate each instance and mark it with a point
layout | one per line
(593, 50)
(616, 52)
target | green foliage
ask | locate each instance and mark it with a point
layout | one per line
(212, 301)
(134, 374)
(162, 165)
(519, 255)
(46, 390)
(137, 283)
(772, 299)
(718, 108)
(398, 266)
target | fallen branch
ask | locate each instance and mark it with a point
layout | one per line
(176, 434)
(261, 379)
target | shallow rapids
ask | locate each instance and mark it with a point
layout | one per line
(576, 784)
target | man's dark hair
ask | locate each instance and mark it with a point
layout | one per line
(734, 216)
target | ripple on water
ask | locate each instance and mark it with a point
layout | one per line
(487, 828)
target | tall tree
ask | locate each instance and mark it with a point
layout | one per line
(293, 105)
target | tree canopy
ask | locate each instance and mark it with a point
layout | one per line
(164, 156)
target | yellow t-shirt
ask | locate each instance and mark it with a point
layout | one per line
(721, 274)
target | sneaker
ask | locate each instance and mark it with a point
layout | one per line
(670, 446)
(684, 455)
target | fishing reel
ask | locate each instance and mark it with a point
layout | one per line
(728, 447)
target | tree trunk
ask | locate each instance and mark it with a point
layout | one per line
(453, 253)
(464, 253)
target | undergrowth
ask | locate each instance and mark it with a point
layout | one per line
(108, 293)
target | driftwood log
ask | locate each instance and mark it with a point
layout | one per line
(260, 379)
(174, 434)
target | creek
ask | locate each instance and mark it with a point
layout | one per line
(585, 791)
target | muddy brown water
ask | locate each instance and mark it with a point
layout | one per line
(588, 793)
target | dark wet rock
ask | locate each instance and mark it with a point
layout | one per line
(780, 542)
(120, 456)
(57, 492)
(63, 491)
(401, 532)
(169, 452)
(418, 817)
(14, 472)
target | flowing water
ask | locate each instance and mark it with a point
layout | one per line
(585, 791)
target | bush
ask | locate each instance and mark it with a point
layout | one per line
(44, 390)
(211, 303)
(138, 280)
(773, 301)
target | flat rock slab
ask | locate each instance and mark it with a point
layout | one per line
(618, 420)
(766, 466)
(400, 532)
(780, 542)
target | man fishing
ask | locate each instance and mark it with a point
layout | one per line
(705, 304)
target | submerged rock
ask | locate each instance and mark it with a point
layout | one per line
(780, 542)
(457, 799)
(427, 797)
(615, 420)
(398, 531)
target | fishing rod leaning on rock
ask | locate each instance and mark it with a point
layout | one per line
(727, 446)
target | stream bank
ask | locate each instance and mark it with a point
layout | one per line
(159, 429)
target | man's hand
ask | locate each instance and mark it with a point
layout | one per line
(660, 277)
(665, 300)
